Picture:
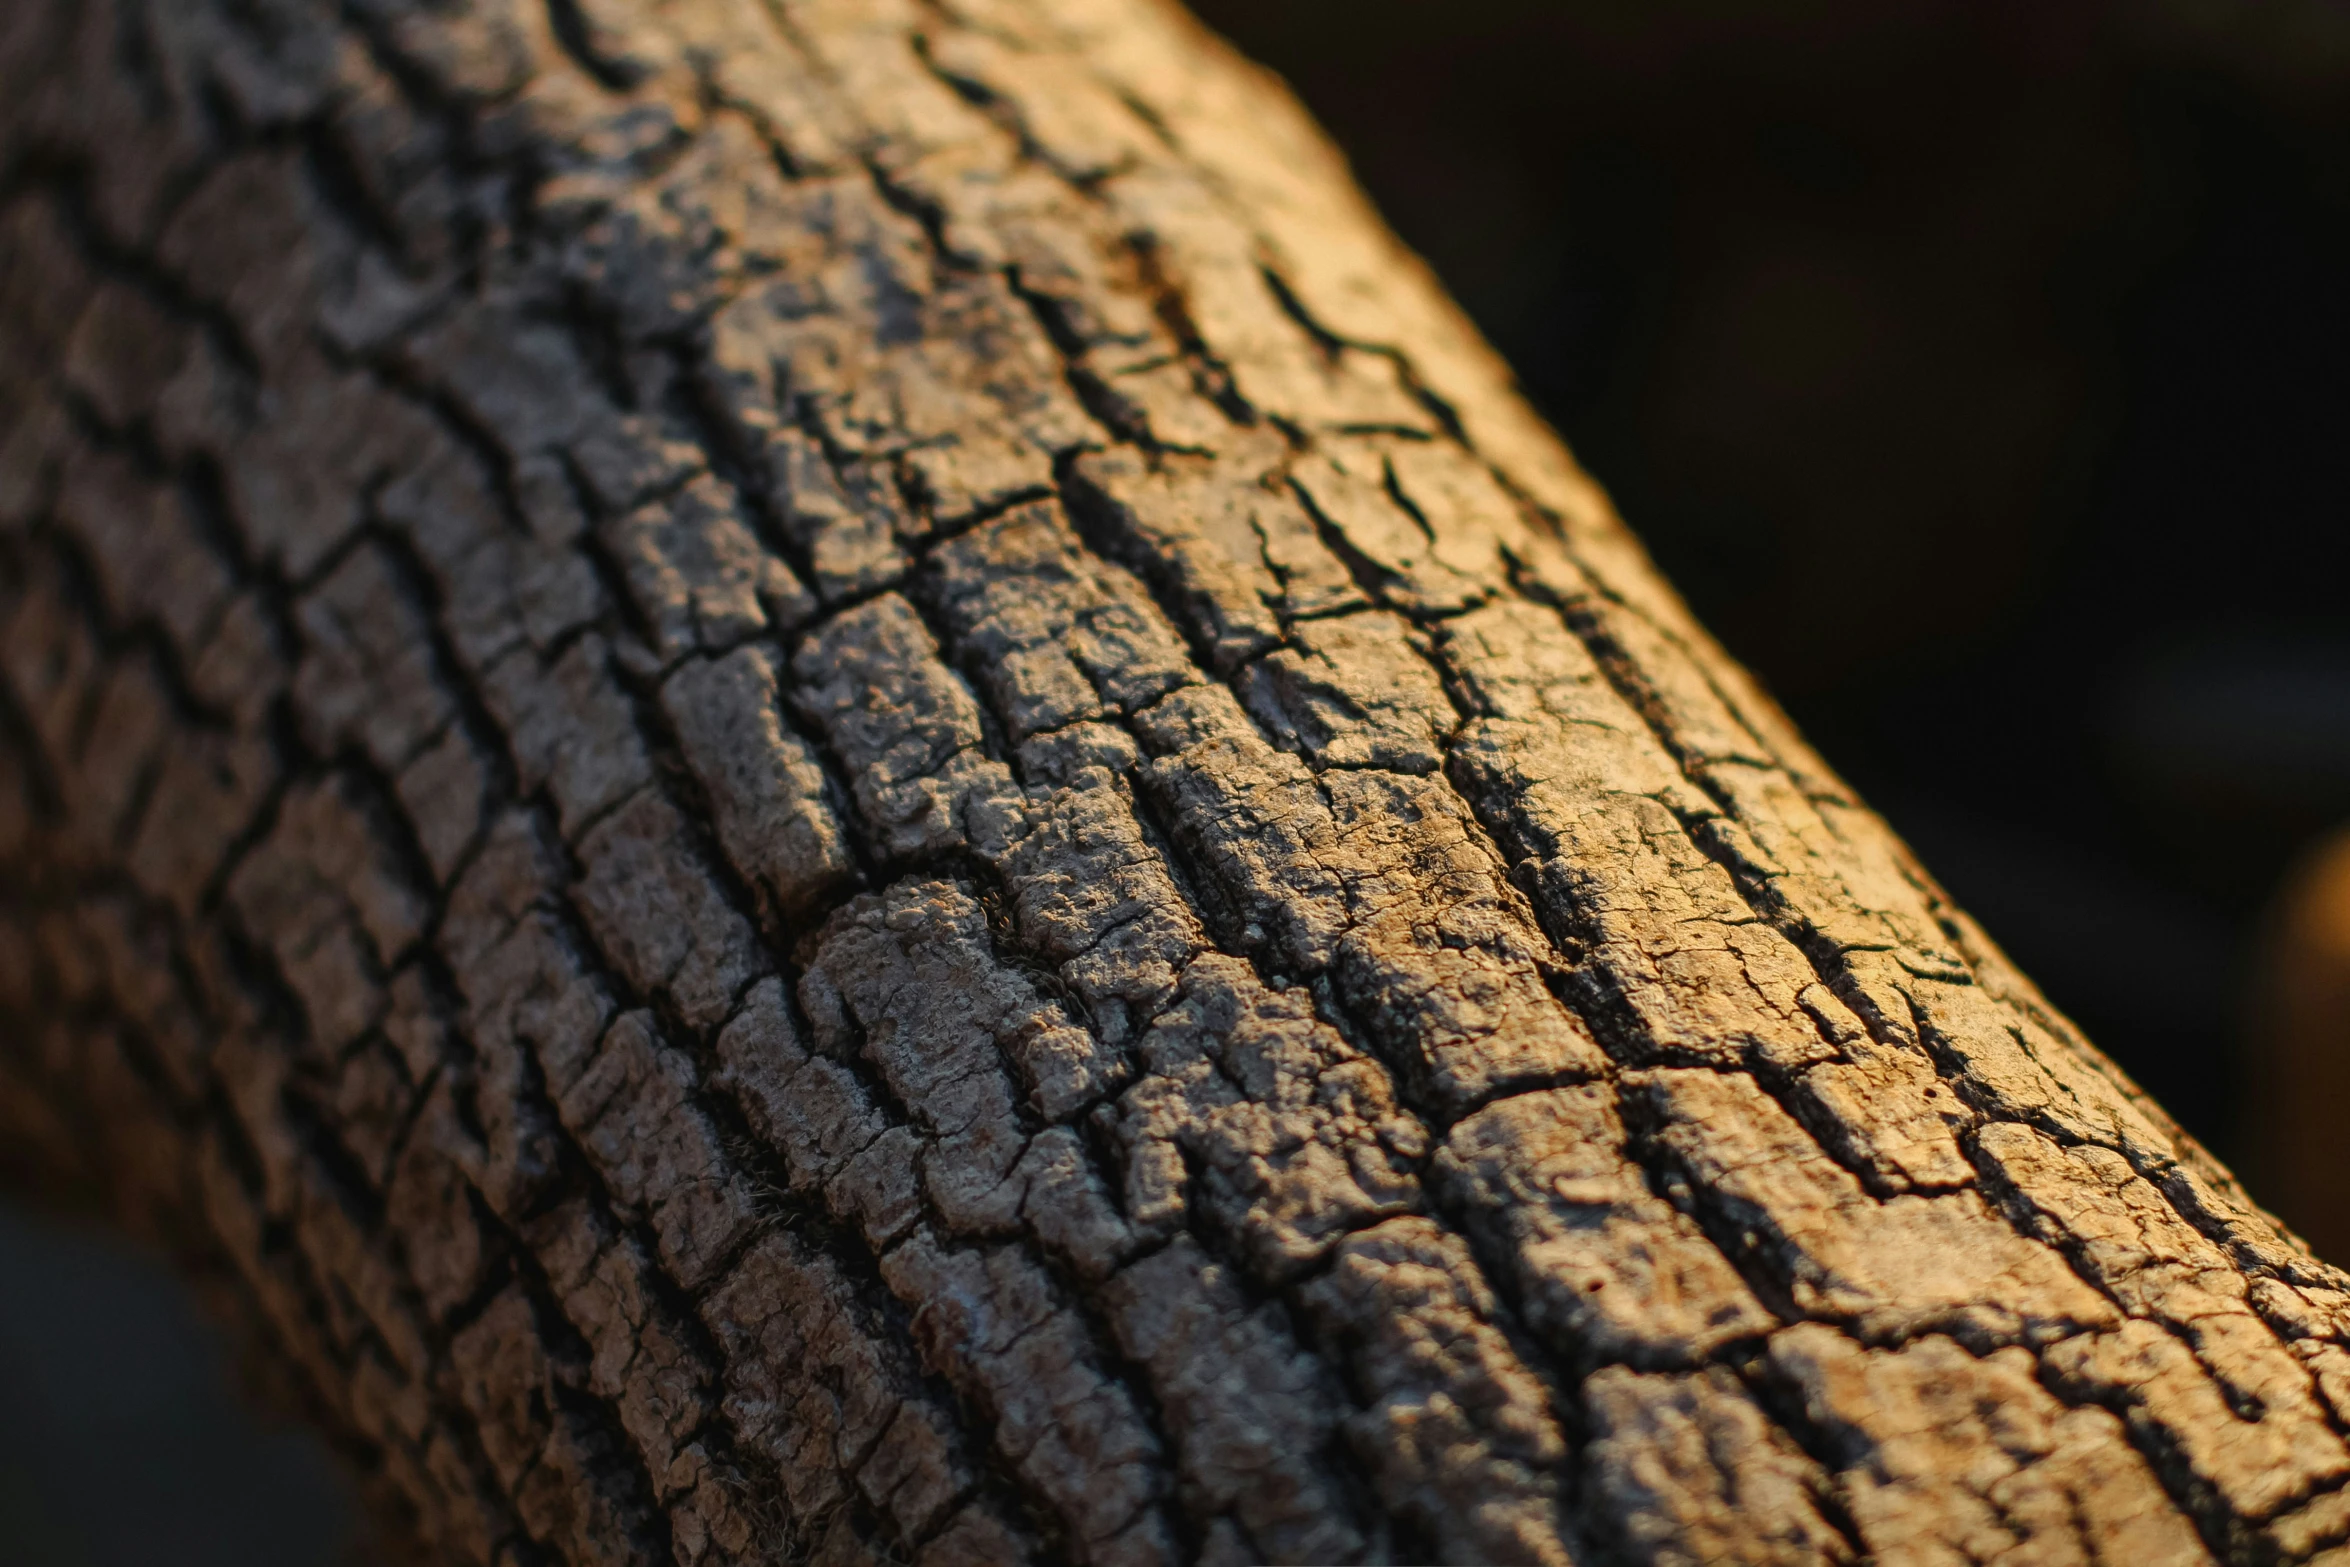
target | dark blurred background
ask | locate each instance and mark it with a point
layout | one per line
(123, 1439)
(1978, 370)
(1981, 372)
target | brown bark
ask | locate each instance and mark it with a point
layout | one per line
(829, 781)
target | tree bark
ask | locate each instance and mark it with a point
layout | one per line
(828, 780)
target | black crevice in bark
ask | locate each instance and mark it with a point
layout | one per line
(574, 32)
(1091, 514)
(932, 220)
(35, 772)
(1005, 114)
(841, 1240)
(73, 573)
(1332, 346)
(222, 1121)
(1586, 990)
(412, 577)
(351, 1183)
(139, 60)
(838, 1240)
(1263, 959)
(1210, 375)
(1075, 499)
(601, 339)
(2233, 1539)
(569, 1172)
(1375, 581)
(614, 1464)
(142, 1052)
(1783, 1405)
(2161, 1450)
(198, 487)
(342, 184)
(68, 181)
(735, 461)
(624, 620)
(1012, 951)
(473, 182)
(457, 421)
(1135, 1379)
(344, 1179)
(981, 881)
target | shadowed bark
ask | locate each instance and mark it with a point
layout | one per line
(827, 780)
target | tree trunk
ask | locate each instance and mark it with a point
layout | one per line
(828, 779)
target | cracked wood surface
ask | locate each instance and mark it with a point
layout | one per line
(827, 780)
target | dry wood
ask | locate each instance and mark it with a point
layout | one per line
(827, 779)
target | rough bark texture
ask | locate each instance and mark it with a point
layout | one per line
(829, 781)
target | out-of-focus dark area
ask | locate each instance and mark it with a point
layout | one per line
(1981, 372)
(123, 1442)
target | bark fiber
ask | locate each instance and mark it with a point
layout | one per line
(827, 780)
